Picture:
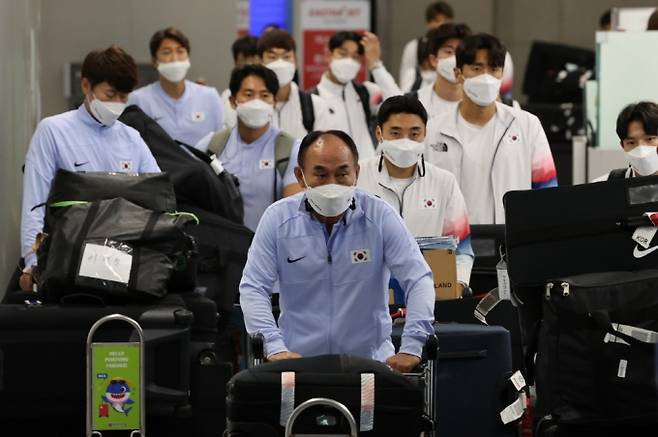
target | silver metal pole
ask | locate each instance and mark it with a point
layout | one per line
(579, 163)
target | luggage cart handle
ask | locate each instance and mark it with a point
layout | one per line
(325, 402)
(256, 350)
(258, 346)
(432, 347)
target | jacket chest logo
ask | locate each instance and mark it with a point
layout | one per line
(198, 116)
(126, 165)
(512, 138)
(360, 256)
(429, 203)
(266, 164)
(440, 147)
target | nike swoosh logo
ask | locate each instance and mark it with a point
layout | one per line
(78, 164)
(300, 258)
(637, 253)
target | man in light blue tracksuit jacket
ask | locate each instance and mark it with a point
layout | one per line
(333, 249)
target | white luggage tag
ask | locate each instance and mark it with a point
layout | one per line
(644, 234)
(502, 292)
(515, 410)
(504, 288)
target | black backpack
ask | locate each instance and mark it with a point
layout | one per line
(308, 113)
(618, 173)
(195, 183)
(364, 96)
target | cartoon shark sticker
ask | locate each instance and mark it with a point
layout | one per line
(117, 395)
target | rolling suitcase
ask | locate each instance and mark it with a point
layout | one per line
(42, 362)
(473, 385)
(261, 399)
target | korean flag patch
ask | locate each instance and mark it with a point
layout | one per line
(126, 165)
(266, 164)
(198, 116)
(429, 203)
(360, 256)
(513, 138)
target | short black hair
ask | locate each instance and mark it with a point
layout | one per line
(168, 33)
(438, 36)
(438, 8)
(275, 39)
(245, 46)
(316, 135)
(239, 74)
(606, 19)
(644, 112)
(467, 50)
(652, 24)
(112, 65)
(400, 105)
(338, 38)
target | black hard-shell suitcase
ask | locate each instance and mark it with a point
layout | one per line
(596, 361)
(505, 314)
(472, 379)
(580, 229)
(42, 363)
(254, 398)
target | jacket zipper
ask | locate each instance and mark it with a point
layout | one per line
(331, 285)
(493, 160)
(400, 200)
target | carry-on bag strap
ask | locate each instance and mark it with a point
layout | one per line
(630, 334)
(367, 406)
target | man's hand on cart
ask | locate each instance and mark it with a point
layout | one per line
(284, 356)
(403, 363)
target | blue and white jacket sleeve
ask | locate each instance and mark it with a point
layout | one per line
(40, 169)
(406, 263)
(258, 279)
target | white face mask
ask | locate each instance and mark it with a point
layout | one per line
(106, 112)
(644, 159)
(402, 152)
(483, 89)
(329, 200)
(446, 68)
(428, 76)
(344, 69)
(174, 71)
(255, 113)
(284, 71)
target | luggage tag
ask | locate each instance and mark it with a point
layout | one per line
(216, 165)
(503, 292)
(643, 235)
(504, 288)
(515, 410)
